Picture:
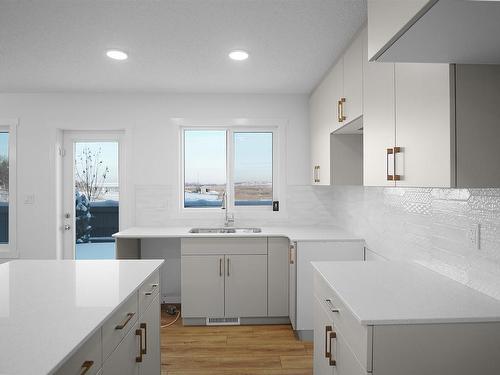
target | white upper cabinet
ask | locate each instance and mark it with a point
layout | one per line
(353, 79)
(434, 31)
(423, 126)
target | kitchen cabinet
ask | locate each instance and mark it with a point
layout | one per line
(435, 31)
(278, 263)
(431, 125)
(336, 105)
(323, 328)
(308, 251)
(387, 334)
(246, 285)
(150, 323)
(202, 283)
(232, 283)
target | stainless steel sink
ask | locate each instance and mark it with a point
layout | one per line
(225, 230)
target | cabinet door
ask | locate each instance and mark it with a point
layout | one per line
(335, 92)
(379, 124)
(353, 79)
(323, 326)
(308, 252)
(150, 323)
(423, 125)
(123, 360)
(345, 360)
(277, 273)
(320, 139)
(292, 296)
(246, 286)
(202, 286)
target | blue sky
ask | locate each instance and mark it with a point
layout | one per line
(109, 156)
(4, 144)
(205, 156)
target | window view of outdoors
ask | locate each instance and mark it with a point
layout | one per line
(4, 187)
(96, 199)
(204, 168)
(253, 169)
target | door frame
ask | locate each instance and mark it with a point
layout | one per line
(69, 138)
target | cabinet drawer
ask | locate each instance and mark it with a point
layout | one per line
(217, 246)
(358, 337)
(346, 362)
(148, 291)
(89, 355)
(117, 326)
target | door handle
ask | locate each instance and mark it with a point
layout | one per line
(220, 267)
(342, 116)
(86, 367)
(227, 266)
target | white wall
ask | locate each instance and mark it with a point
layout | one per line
(152, 146)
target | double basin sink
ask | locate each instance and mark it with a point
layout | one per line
(225, 230)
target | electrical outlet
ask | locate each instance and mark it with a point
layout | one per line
(473, 236)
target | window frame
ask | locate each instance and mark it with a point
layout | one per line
(9, 250)
(230, 162)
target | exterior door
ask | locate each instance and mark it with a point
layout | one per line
(91, 194)
(246, 285)
(202, 286)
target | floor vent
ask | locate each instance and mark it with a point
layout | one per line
(223, 321)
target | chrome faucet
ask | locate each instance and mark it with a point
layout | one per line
(228, 217)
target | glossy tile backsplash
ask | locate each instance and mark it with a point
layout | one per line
(429, 226)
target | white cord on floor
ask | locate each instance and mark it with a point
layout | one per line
(172, 322)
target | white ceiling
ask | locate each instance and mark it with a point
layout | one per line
(174, 45)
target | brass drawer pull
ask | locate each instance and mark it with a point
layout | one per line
(227, 266)
(153, 287)
(332, 361)
(327, 330)
(342, 116)
(138, 332)
(397, 150)
(86, 367)
(390, 151)
(145, 349)
(122, 325)
(220, 267)
(330, 306)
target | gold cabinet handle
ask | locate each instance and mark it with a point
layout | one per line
(220, 267)
(153, 287)
(145, 328)
(328, 329)
(86, 367)
(138, 332)
(390, 151)
(332, 361)
(316, 173)
(397, 150)
(342, 116)
(330, 306)
(227, 266)
(125, 322)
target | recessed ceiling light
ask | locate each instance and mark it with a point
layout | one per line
(116, 54)
(238, 55)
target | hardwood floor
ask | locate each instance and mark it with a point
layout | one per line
(233, 350)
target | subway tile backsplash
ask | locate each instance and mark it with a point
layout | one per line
(429, 226)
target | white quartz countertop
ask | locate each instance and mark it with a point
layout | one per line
(294, 233)
(48, 308)
(405, 293)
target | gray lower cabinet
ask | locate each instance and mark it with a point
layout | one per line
(234, 278)
(202, 281)
(246, 286)
(323, 327)
(139, 352)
